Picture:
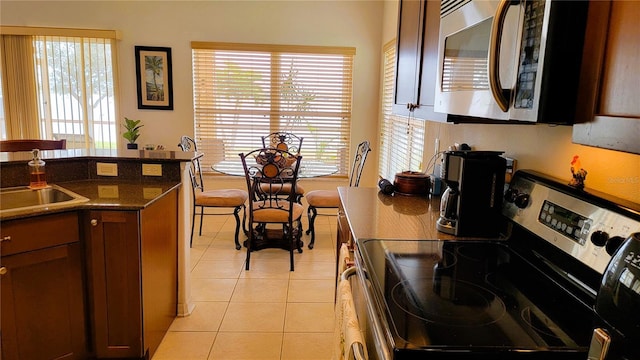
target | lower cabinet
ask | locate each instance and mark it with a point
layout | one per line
(42, 293)
(113, 295)
(132, 277)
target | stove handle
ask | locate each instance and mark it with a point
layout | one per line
(374, 320)
(599, 345)
(357, 348)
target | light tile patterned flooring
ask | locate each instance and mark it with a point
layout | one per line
(267, 312)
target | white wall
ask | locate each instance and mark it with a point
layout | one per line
(175, 24)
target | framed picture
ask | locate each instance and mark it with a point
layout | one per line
(154, 77)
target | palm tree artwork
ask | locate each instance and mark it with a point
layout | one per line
(153, 66)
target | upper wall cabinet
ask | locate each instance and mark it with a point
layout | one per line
(417, 58)
(610, 78)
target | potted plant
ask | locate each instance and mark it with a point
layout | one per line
(132, 133)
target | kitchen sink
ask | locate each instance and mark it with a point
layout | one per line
(23, 200)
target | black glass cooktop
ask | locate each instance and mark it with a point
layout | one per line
(462, 297)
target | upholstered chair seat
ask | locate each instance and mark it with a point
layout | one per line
(271, 215)
(324, 198)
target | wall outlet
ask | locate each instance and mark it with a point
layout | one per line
(108, 191)
(107, 169)
(152, 169)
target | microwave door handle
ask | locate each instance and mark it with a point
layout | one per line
(501, 95)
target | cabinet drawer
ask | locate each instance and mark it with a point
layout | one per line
(39, 232)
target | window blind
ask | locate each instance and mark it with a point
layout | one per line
(401, 138)
(245, 91)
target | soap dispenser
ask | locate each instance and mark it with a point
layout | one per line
(37, 176)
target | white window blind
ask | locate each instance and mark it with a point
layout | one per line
(73, 74)
(402, 138)
(76, 90)
(245, 91)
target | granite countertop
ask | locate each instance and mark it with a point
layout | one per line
(102, 195)
(374, 215)
(62, 155)
(119, 195)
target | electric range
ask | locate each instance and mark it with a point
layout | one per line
(529, 296)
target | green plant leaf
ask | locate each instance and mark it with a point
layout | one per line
(133, 129)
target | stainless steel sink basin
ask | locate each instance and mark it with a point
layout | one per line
(22, 200)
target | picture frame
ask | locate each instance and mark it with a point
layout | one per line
(154, 77)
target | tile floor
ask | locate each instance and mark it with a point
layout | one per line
(267, 312)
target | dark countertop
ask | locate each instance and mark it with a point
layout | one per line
(103, 195)
(119, 195)
(55, 155)
(373, 215)
(76, 171)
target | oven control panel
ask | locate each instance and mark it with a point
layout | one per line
(565, 222)
(575, 224)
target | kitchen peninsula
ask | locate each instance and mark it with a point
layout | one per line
(100, 278)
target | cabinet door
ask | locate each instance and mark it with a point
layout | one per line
(113, 265)
(43, 312)
(417, 59)
(408, 53)
(428, 80)
(609, 81)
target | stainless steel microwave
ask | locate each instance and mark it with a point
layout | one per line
(510, 60)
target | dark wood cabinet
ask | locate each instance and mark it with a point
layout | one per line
(43, 306)
(113, 263)
(610, 112)
(417, 59)
(132, 267)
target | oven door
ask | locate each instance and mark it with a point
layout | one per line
(368, 313)
(464, 51)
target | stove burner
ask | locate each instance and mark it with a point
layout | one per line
(474, 253)
(447, 302)
(541, 324)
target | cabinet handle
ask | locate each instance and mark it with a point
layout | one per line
(5, 238)
(3, 270)
(94, 222)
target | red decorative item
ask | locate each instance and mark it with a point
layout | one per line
(579, 174)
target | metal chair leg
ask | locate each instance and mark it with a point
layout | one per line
(249, 241)
(235, 214)
(312, 229)
(201, 219)
(193, 223)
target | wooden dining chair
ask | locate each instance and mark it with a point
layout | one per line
(292, 143)
(266, 180)
(30, 144)
(329, 199)
(219, 198)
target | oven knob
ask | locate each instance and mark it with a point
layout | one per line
(510, 195)
(613, 244)
(599, 238)
(522, 200)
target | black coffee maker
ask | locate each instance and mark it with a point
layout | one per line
(471, 204)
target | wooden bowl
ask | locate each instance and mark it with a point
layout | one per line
(412, 183)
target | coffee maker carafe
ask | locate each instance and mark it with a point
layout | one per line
(470, 206)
